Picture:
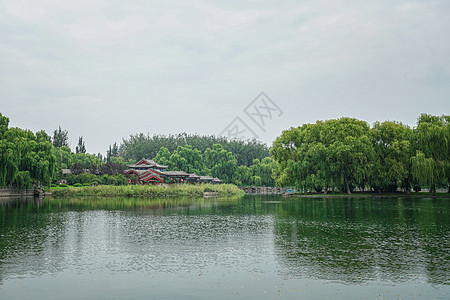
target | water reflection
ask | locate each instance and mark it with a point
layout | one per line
(129, 235)
(353, 241)
(360, 240)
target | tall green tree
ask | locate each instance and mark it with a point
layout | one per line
(80, 148)
(60, 138)
(431, 162)
(220, 162)
(4, 122)
(392, 145)
(25, 157)
(334, 153)
(187, 159)
(163, 156)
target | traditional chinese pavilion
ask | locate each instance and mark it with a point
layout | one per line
(149, 171)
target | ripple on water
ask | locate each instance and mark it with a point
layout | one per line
(256, 244)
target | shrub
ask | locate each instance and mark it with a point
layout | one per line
(77, 184)
(72, 179)
(111, 180)
(121, 179)
(86, 184)
(63, 185)
(87, 178)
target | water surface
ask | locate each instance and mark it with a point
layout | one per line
(251, 247)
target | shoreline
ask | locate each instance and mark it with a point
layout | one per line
(371, 195)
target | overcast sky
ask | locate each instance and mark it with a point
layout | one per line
(106, 69)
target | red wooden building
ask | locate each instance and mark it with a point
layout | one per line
(148, 171)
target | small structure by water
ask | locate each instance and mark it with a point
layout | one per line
(148, 171)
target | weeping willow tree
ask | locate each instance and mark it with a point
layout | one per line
(345, 153)
(431, 164)
(25, 158)
(336, 154)
(424, 169)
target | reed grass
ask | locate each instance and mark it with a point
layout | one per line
(149, 190)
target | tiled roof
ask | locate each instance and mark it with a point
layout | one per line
(144, 163)
(174, 173)
(148, 175)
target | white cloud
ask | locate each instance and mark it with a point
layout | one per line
(99, 29)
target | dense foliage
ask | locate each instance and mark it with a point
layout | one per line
(334, 155)
(25, 158)
(140, 145)
(346, 153)
(217, 162)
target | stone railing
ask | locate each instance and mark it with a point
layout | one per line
(7, 192)
(264, 190)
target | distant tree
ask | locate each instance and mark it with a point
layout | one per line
(4, 121)
(140, 145)
(111, 169)
(76, 169)
(94, 168)
(108, 154)
(85, 159)
(80, 148)
(113, 151)
(242, 176)
(60, 138)
(221, 163)
(163, 156)
(42, 136)
(187, 159)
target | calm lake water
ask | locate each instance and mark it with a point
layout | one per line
(241, 248)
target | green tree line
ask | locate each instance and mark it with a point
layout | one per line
(217, 162)
(27, 158)
(346, 153)
(334, 155)
(141, 145)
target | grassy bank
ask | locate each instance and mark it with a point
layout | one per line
(148, 190)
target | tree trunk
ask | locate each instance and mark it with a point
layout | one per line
(433, 189)
(408, 187)
(346, 185)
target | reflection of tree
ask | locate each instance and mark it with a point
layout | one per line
(163, 234)
(350, 240)
(24, 233)
(357, 240)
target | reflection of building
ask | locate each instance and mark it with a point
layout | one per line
(149, 171)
